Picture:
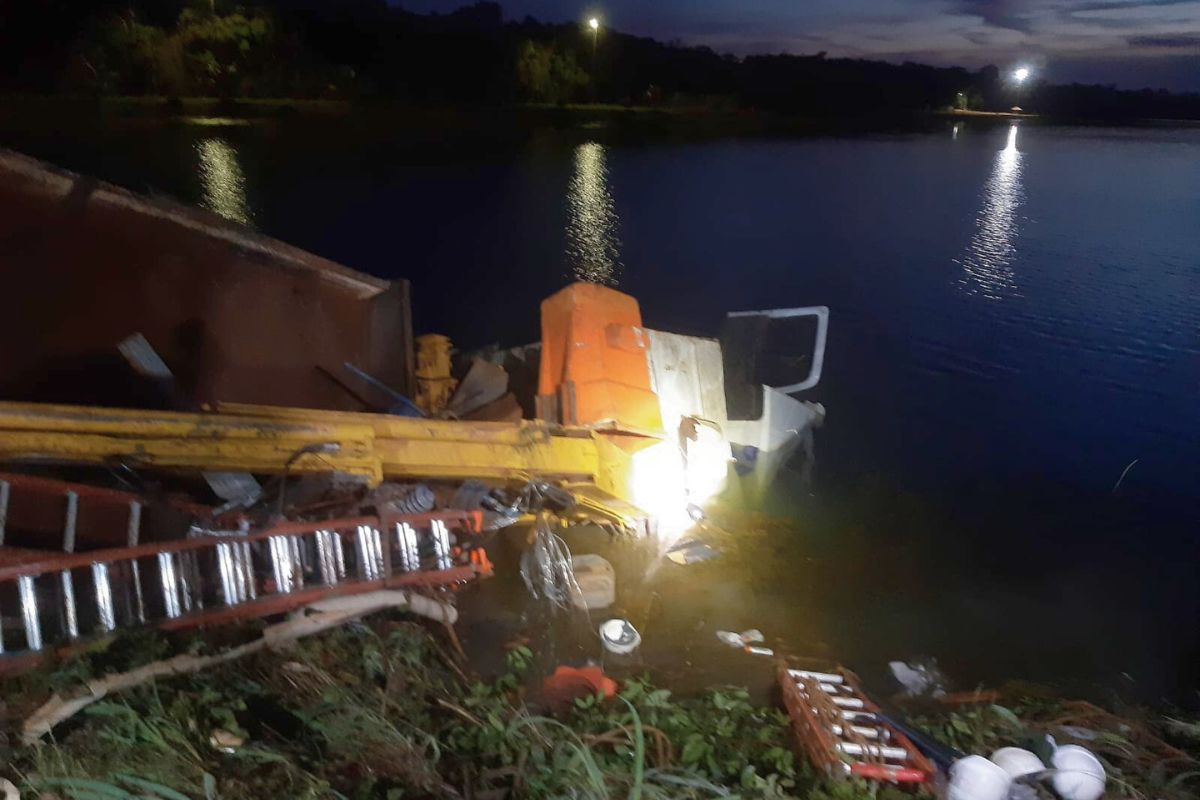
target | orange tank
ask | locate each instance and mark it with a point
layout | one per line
(595, 369)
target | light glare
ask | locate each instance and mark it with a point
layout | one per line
(1020, 74)
(594, 23)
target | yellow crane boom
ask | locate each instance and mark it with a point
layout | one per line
(273, 439)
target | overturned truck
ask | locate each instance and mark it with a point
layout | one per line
(246, 483)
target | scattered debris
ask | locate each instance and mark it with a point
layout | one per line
(746, 641)
(399, 404)
(546, 567)
(596, 581)
(1080, 733)
(919, 678)
(484, 384)
(691, 551)
(237, 489)
(619, 637)
(401, 498)
(504, 409)
(225, 741)
(568, 684)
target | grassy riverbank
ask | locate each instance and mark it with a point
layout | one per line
(382, 709)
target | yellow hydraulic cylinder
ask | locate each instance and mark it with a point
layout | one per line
(434, 384)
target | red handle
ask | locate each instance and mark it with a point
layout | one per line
(879, 772)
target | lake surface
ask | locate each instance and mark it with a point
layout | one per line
(1015, 321)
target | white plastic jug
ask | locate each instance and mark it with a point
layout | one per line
(1079, 775)
(976, 778)
(1017, 762)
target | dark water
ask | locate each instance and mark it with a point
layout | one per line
(1015, 320)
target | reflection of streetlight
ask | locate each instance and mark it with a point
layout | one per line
(988, 261)
(1020, 74)
(222, 180)
(593, 246)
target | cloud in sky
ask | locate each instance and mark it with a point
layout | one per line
(1132, 43)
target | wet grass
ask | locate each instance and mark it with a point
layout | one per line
(379, 709)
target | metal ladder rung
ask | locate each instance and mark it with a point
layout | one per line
(222, 570)
(854, 749)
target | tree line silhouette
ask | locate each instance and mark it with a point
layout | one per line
(367, 50)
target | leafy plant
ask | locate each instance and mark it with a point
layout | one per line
(981, 729)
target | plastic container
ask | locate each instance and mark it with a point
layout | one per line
(976, 778)
(1079, 774)
(597, 582)
(619, 637)
(1017, 762)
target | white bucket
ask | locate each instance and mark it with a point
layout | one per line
(619, 637)
(976, 778)
(1079, 774)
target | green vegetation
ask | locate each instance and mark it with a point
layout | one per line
(203, 54)
(547, 75)
(379, 709)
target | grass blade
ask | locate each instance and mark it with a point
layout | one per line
(165, 792)
(82, 786)
(639, 753)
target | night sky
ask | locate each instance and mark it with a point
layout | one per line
(1131, 43)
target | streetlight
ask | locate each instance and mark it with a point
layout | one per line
(1020, 74)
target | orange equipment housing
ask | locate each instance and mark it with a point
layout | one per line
(594, 368)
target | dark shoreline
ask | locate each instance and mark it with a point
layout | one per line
(37, 111)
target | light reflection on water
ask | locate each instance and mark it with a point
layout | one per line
(987, 263)
(593, 247)
(222, 180)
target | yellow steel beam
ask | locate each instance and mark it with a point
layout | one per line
(522, 432)
(124, 422)
(179, 440)
(414, 447)
(264, 438)
(202, 454)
